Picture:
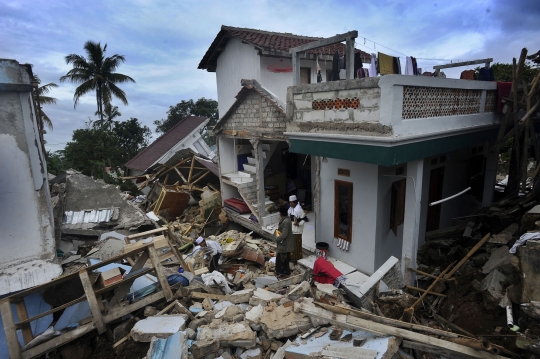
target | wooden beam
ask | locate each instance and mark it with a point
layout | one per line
(349, 56)
(424, 291)
(466, 258)
(393, 322)
(372, 327)
(44, 314)
(20, 307)
(463, 63)
(180, 174)
(175, 250)
(142, 234)
(325, 42)
(119, 312)
(154, 258)
(431, 349)
(57, 341)
(191, 169)
(200, 177)
(9, 329)
(92, 301)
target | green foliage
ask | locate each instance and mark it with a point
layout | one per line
(96, 73)
(92, 148)
(202, 107)
(503, 72)
(55, 162)
(43, 99)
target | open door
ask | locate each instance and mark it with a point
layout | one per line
(436, 179)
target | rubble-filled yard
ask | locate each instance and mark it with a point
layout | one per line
(137, 287)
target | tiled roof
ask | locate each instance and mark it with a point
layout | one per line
(265, 40)
(150, 154)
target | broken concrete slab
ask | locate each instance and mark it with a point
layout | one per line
(173, 347)
(300, 290)
(253, 317)
(506, 235)
(528, 219)
(281, 322)
(255, 353)
(160, 326)
(499, 259)
(385, 347)
(349, 353)
(227, 334)
(492, 288)
(263, 297)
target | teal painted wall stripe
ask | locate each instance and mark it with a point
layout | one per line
(391, 156)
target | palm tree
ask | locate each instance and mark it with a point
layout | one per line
(42, 99)
(97, 73)
(110, 112)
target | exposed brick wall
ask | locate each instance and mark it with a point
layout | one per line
(247, 116)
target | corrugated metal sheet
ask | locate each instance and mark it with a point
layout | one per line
(174, 159)
(87, 218)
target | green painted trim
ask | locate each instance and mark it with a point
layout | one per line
(394, 155)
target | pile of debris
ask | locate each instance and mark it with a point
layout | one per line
(477, 279)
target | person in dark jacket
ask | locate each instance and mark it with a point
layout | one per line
(285, 243)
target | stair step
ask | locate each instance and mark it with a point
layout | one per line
(266, 147)
(251, 160)
(249, 173)
(253, 154)
(249, 168)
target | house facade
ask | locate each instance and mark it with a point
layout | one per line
(372, 154)
(384, 149)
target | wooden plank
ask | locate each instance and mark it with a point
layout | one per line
(325, 42)
(393, 322)
(175, 250)
(180, 174)
(370, 326)
(92, 302)
(159, 273)
(191, 168)
(235, 133)
(423, 291)
(466, 258)
(57, 341)
(123, 281)
(142, 234)
(9, 329)
(439, 277)
(431, 349)
(180, 308)
(120, 342)
(158, 242)
(201, 177)
(22, 314)
(463, 63)
(140, 262)
(200, 295)
(56, 309)
(119, 312)
(286, 282)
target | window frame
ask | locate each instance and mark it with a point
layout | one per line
(349, 185)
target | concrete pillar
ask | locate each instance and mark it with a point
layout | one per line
(489, 177)
(296, 68)
(349, 56)
(411, 225)
(260, 178)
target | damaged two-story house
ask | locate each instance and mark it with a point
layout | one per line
(375, 153)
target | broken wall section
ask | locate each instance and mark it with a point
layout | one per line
(28, 251)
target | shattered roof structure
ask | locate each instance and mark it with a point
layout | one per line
(268, 43)
(159, 147)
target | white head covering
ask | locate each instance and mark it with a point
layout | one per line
(292, 198)
(199, 240)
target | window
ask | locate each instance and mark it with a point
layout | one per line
(343, 197)
(397, 206)
(305, 75)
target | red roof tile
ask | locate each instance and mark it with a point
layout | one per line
(150, 154)
(266, 40)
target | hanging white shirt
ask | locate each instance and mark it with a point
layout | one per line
(373, 67)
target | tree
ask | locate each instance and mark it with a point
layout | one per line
(503, 72)
(118, 145)
(97, 73)
(111, 112)
(203, 107)
(43, 99)
(55, 162)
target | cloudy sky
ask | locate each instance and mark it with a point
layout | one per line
(163, 41)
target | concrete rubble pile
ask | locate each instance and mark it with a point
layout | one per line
(493, 294)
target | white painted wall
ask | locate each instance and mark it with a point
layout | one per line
(26, 220)
(362, 251)
(238, 61)
(227, 156)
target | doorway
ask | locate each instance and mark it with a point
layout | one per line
(436, 179)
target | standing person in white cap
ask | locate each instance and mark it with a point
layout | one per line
(295, 211)
(216, 251)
